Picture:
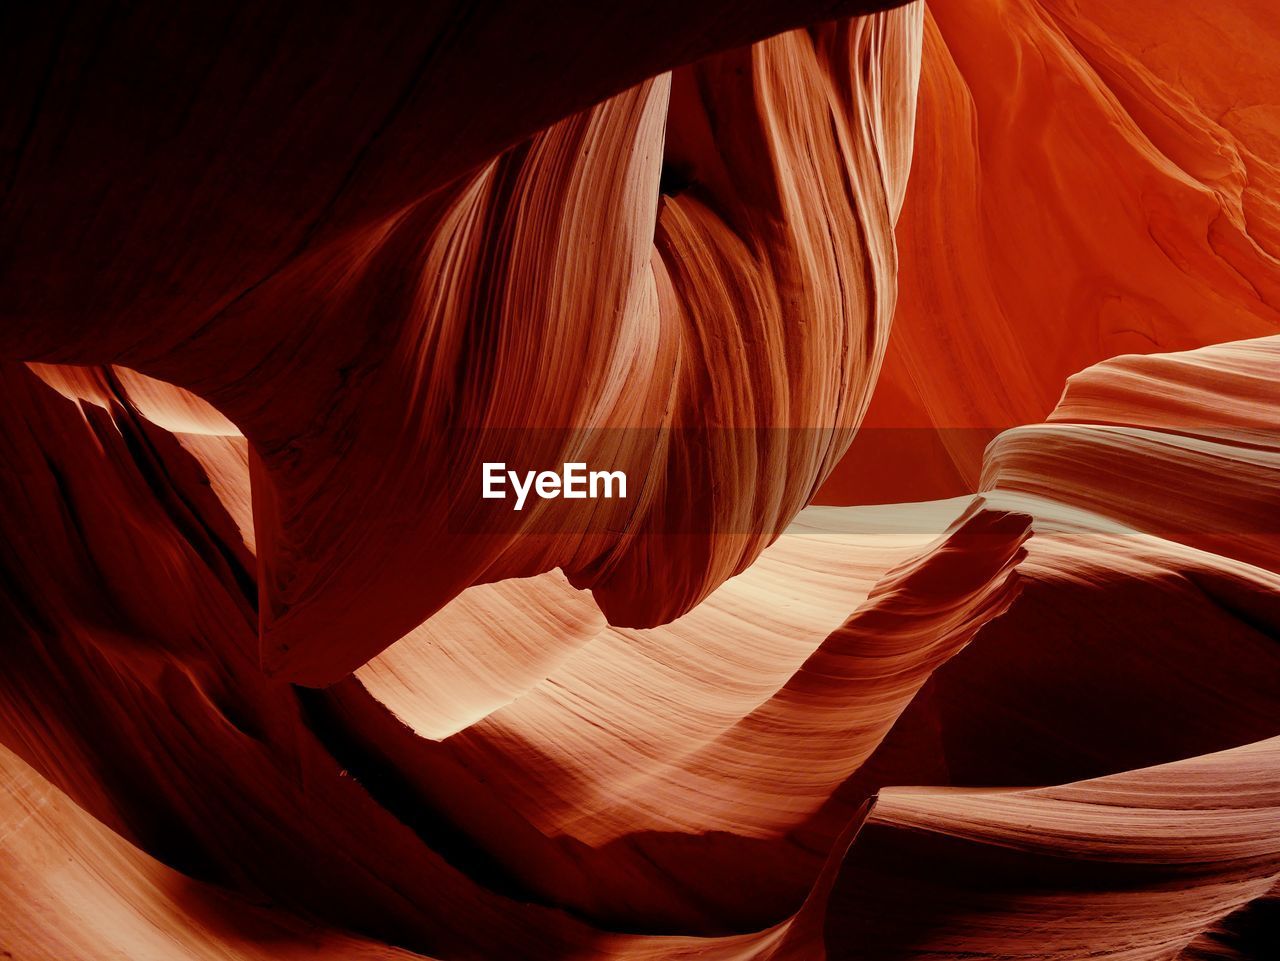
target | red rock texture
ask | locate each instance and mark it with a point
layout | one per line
(273, 682)
(1089, 179)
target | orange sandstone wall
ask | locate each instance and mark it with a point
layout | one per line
(1088, 180)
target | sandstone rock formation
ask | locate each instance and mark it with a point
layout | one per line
(997, 677)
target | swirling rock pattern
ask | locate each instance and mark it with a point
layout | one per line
(1103, 184)
(269, 688)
